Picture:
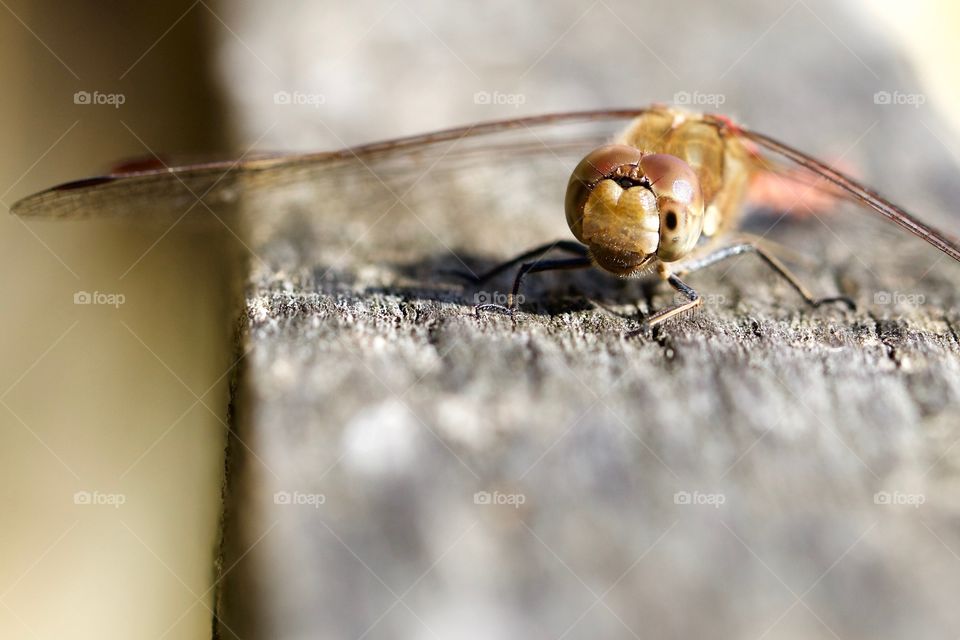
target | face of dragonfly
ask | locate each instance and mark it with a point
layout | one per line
(632, 208)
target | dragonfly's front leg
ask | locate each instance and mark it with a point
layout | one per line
(537, 266)
(568, 246)
(530, 262)
(693, 300)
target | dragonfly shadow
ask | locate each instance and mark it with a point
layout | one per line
(448, 278)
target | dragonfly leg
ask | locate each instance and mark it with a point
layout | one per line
(561, 245)
(536, 266)
(772, 262)
(693, 300)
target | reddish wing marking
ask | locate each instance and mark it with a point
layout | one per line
(792, 192)
(787, 187)
(860, 193)
(140, 164)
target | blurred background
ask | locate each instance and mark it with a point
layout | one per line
(113, 414)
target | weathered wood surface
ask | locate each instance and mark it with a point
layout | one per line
(373, 385)
(758, 469)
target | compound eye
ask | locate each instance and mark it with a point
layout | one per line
(603, 162)
(679, 201)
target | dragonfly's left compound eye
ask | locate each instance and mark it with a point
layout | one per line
(628, 207)
(679, 201)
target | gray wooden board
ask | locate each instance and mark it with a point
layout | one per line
(380, 405)
(758, 469)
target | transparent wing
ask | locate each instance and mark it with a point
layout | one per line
(841, 184)
(218, 188)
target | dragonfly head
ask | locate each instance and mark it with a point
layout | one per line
(632, 208)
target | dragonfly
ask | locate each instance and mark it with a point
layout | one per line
(663, 194)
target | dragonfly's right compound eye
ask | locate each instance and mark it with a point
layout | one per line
(630, 207)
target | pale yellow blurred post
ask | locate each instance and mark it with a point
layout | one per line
(101, 401)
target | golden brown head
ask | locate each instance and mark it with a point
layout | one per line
(631, 208)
